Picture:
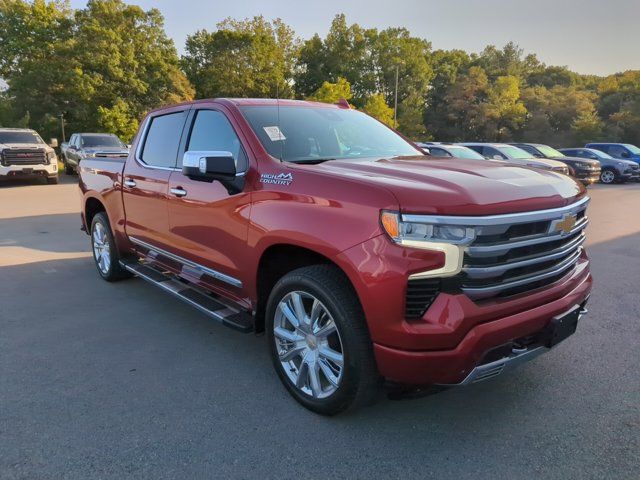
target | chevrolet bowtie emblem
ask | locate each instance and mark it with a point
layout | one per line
(567, 223)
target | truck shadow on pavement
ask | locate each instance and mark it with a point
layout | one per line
(106, 375)
(41, 238)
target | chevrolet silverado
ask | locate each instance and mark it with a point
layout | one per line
(359, 257)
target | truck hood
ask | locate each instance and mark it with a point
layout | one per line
(460, 187)
(42, 146)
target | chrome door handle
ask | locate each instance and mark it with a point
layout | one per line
(178, 192)
(129, 183)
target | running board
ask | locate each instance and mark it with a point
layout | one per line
(229, 317)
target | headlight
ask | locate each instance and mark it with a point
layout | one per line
(448, 239)
(87, 155)
(51, 157)
(403, 232)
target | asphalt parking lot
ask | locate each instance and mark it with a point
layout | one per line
(119, 380)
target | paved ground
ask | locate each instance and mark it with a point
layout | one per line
(121, 381)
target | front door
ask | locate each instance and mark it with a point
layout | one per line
(146, 179)
(209, 225)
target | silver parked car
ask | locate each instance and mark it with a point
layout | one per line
(516, 156)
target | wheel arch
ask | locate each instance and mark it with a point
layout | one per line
(275, 262)
(92, 206)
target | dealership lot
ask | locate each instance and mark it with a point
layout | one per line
(120, 380)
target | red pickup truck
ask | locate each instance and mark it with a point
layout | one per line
(361, 258)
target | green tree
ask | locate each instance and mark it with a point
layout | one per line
(108, 57)
(248, 58)
(504, 109)
(344, 52)
(587, 127)
(332, 92)
(619, 105)
(377, 107)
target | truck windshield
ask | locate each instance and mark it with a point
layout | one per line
(633, 149)
(464, 152)
(20, 137)
(550, 152)
(316, 134)
(515, 152)
(101, 141)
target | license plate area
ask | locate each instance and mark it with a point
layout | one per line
(562, 327)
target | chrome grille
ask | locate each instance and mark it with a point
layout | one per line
(516, 253)
(23, 156)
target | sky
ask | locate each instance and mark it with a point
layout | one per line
(589, 36)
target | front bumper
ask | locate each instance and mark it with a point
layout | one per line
(456, 333)
(16, 171)
(588, 176)
(468, 361)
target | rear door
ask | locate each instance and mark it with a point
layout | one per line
(146, 178)
(208, 224)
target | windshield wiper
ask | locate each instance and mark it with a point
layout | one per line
(312, 161)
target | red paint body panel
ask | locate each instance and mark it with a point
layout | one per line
(333, 209)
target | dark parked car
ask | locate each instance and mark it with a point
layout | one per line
(586, 170)
(613, 169)
(623, 151)
(91, 145)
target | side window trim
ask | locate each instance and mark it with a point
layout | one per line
(143, 140)
(191, 122)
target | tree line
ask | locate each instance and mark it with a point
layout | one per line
(104, 66)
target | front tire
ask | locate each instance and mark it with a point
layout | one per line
(105, 252)
(319, 341)
(608, 176)
(52, 180)
(68, 169)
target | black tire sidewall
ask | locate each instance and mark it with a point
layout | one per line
(344, 395)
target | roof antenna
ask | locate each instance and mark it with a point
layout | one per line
(278, 109)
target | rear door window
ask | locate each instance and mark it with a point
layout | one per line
(161, 143)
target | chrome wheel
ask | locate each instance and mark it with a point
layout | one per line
(607, 176)
(308, 344)
(101, 250)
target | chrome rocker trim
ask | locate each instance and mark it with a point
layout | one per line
(208, 271)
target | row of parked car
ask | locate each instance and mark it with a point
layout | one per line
(604, 162)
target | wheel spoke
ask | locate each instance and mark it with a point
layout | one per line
(316, 311)
(293, 352)
(328, 372)
(303, 374)
(288, 335)
(288, 313)
(327, 329)
(331, 354)
(298, 306)
(314, 380)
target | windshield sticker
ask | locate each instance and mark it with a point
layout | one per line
(274, 133)
(280, 179)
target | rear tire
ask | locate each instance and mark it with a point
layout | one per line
(326, 362)
(609, 176)
(105, 252)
